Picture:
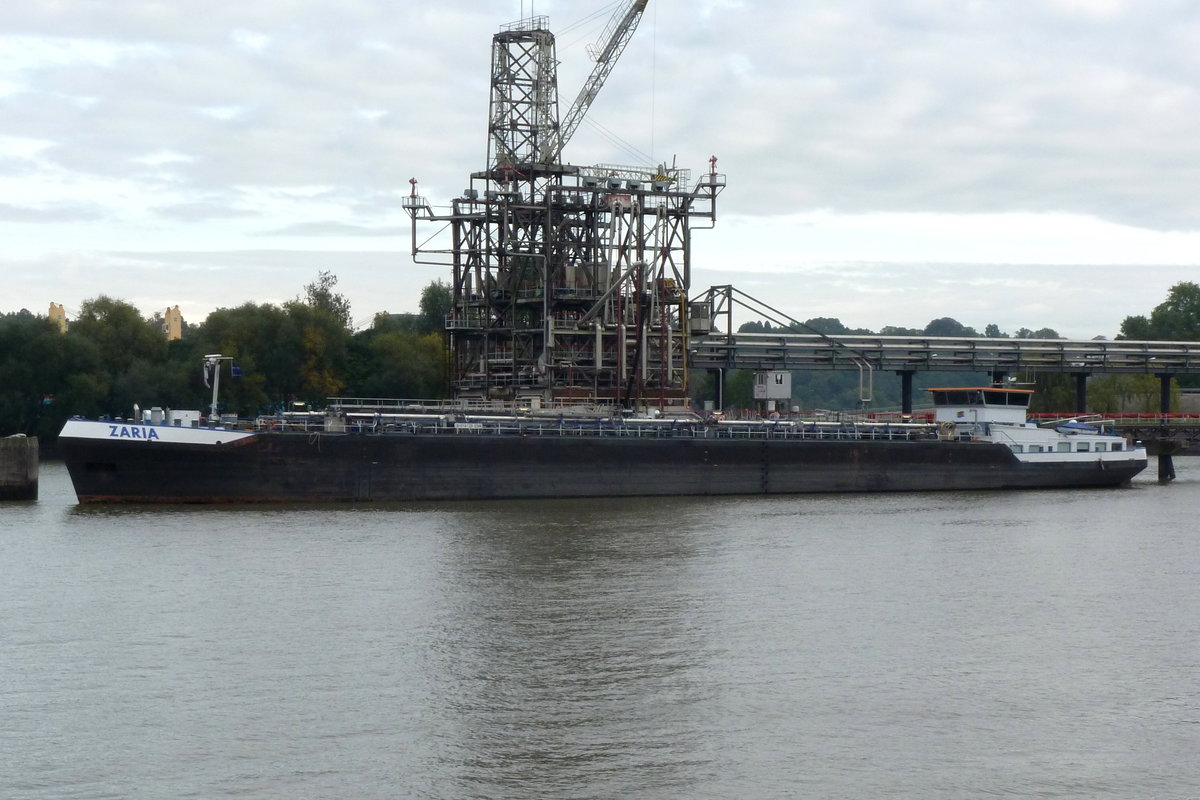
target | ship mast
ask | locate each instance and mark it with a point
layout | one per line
(212, 365)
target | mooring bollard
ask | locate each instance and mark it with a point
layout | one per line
(19, 468)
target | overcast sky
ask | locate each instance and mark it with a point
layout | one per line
(1029, 163)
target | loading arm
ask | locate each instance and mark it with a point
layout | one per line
(618, 33)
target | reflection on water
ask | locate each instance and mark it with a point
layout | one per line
(924, 645)
(577, 648)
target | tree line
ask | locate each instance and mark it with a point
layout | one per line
(302, 351)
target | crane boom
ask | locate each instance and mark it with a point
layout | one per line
(606, 52)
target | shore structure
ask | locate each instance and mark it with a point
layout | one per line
(19, 465)
(570, 283)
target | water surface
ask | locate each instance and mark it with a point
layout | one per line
(919, 645)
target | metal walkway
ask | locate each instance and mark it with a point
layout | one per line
(796, 351)
(907, 354)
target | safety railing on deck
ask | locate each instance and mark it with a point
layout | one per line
(460, 425)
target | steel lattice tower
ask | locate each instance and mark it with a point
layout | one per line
(569, 284)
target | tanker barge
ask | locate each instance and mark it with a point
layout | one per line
(979, 439)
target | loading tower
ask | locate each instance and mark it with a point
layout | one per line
(570, 284)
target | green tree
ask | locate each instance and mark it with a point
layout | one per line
(1053, 393)
(1040, 333)
(123, 356)
(948, 326)
(265, 343)
(295, 353)
(320, 295)
(1136, 328)
(739, 388)
(399, 364)
(323, 350)
(37, 365)
(437, 302)
(1130, 394)
(123, 335)
(1176, 319)
(406, 323)
(830, 326)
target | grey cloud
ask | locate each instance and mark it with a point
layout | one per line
(335, 229)
(54, 213)
(201, 210)
(860, 106)
(298, 100)
(963, 107)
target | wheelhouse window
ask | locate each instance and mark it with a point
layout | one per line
(975, 397)
(1015, 399)
(957, 397)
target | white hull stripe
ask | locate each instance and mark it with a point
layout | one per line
(148, 434)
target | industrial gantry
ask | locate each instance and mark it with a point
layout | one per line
(570, 284)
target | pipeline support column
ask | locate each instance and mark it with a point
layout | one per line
(1081, 379)
(1166, 465)
(906, 378)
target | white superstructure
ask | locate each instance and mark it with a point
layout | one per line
(149, 434)
(998, 414)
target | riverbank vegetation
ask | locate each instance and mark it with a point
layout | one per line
(295, 354)
(303, 351)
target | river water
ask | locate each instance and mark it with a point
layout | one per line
(1033, 644)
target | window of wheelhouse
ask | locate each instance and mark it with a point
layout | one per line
(956, 397)
(996, 398)
(1019, 399)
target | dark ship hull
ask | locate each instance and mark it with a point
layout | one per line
(397, 466)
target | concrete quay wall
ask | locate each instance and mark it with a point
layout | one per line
(18, 468)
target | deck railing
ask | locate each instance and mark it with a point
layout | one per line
(455, 425)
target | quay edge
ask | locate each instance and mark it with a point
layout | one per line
(19, 465)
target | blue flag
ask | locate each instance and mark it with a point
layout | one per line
(235, 370)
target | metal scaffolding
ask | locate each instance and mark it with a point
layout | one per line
(570, 284)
